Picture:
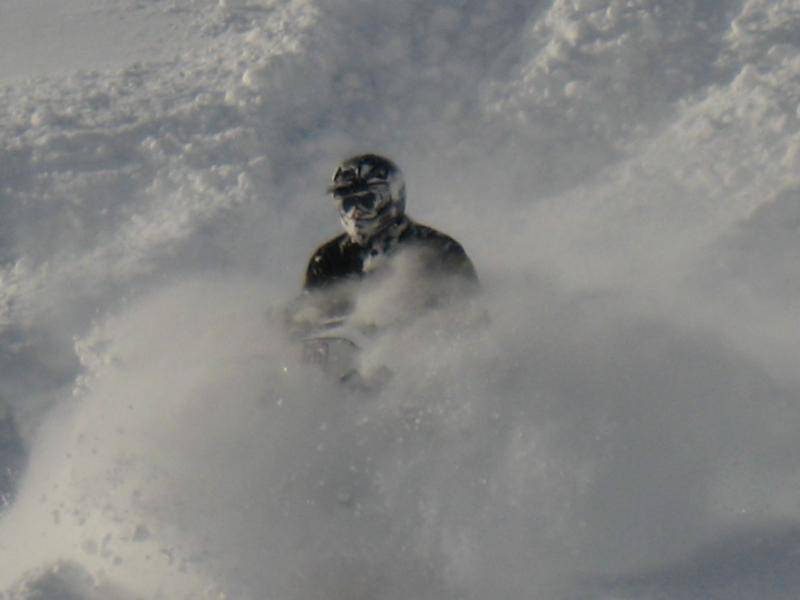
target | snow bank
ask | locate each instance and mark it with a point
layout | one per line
(623, 175)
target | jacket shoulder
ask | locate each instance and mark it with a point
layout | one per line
(328, 262)
(332, 247)
(429, 236)
(453, 258)
(426, 231)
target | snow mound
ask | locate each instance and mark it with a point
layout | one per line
(624, 176)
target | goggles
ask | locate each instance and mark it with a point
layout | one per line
(364, 197)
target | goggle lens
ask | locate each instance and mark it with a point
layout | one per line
(365, 201)
(350, 197)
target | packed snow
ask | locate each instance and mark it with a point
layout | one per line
(623, 174)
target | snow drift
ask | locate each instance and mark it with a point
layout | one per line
(623, 174)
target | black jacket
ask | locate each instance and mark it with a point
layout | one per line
(340, 259)
(340, 271)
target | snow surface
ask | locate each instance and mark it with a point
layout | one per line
(622, 172)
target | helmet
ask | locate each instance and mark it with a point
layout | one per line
(370, 194)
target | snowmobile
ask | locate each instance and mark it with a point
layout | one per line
(336, 348)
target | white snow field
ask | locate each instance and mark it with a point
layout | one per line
(625, 174)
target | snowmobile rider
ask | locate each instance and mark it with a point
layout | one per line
(369, 194)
